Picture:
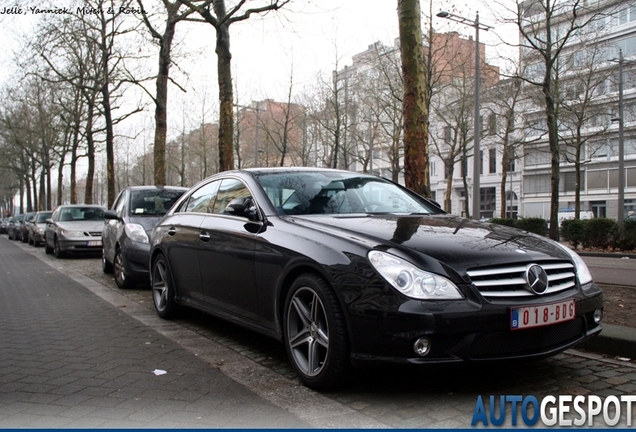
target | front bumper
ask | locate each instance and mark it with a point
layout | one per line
(136, 258)
(463, 330)
(88, 245)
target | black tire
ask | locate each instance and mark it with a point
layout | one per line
(107, 266)
(163, 291)
(315, 333)
(47, 249)
(122, 280)
(56, 249)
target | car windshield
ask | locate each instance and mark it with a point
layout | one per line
(333, 192)
(42, 217)
(81, 214)
(153, 202)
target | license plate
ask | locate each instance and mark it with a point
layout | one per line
(94, 243)
(537, 316)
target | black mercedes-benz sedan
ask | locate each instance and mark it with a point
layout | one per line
(346, 268)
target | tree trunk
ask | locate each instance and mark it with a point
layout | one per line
(161, 102)
(416, 169)
(226, 98)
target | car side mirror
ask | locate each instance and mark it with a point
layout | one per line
(110, 214)
(243, 207)
(49, 221)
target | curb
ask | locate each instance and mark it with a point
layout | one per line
(613, 340)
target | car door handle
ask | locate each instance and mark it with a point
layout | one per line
(204, 236)
(172, 231)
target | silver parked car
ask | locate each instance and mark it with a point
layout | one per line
(74, 228)
(37, 226)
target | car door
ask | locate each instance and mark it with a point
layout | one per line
(226, 255)
(182, 229)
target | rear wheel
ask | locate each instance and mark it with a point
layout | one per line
(315, 333)
(122, 280)
(163, 291)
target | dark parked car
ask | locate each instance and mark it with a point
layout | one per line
(24, 226)
(126, 233)
(13, 228)
(37, 227)
(74, 228)
(346, 268)
(3, 225)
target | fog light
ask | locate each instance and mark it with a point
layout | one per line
(422, 346)
(598, 316)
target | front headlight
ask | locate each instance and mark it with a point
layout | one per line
(411, 281)
(69, 233)
(136, 232)
(582, 272)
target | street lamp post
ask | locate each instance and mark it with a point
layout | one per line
(476, 140)
(621, 143)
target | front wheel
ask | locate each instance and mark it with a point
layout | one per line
(57, 250)
(162, 289)
(107, 266)
(47, 249)
(122, 280)
(315, 333)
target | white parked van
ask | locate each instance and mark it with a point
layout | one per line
(568, 213)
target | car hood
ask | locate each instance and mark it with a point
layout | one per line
(92, 226)
(148, 222)
(457, 242)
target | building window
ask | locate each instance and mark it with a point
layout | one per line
(492, 161)
(510, 161)
(599, 209)
(481, 162)
(492, 124)
(488, 202)
(431, 167)
(448, 135)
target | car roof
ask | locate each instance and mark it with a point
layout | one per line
(152, 187)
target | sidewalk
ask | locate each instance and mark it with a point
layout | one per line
(68, 359)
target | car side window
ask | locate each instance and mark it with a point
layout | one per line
(230, 189)
(202, 200)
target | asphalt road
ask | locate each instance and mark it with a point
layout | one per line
(612, 271)
(440, 396)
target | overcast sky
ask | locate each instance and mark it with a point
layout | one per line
(312, 37)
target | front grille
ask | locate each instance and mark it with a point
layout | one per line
(510, 281)
(528, 341)
(95, 233)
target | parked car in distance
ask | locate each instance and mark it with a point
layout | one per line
(37, 226)
(13, 228)
(75, 228)
(3, 225)
(24, 226)
(346, 268)
(126, 233)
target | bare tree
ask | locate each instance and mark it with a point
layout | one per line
(216, 13)
(545, 28)
(174, 14)
(581, 117)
